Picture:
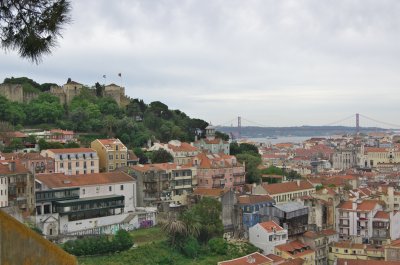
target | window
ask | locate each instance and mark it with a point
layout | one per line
(97, 189)
(77, 164)
(116, 156)
(116, 165)
(346, 251)
(109, 188)
(110, 167)
(122, 156)
(92, 163)
(77, 172)
(270, 238)
(122, 187)
(61, 165)
(116, 147)
(110, 157)
(91, 171)
(69, 165)
(83, 191)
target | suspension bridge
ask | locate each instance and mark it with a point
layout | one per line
(352, 123)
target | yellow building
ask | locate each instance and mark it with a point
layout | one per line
(112, 153)
(296, 249)
(347, 250)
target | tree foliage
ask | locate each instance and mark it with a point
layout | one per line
(99, 245)
(161, 156)
(32, 27)
(248, 154)
(90, 112)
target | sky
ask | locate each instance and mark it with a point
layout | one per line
(272, 62)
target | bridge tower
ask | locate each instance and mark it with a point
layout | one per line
(239, 127)
(357, 124)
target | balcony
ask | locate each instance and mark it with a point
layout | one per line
(217, 176)
(89, 204)
(238, 183)
(218, 185)
(57, 195)
(344, 225)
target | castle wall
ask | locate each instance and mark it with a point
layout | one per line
(12, 92)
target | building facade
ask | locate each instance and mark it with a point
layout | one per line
(112, 154)
(73, 161)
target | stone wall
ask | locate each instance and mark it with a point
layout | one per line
(16, 93)
(21, 245)
(12, 92)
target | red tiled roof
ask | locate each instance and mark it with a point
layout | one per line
(269, 226)
(5, 167)
(183, 147)
(348, 244)
(365, 205)
(252, 199)
(296, 261)
(275, 258)
(382, 215)
(72, 150)
(255, 258)
(328, 232)
(278, 188)
(59, 180)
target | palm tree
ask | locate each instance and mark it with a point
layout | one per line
(174, 229)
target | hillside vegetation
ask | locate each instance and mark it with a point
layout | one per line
(134, 124)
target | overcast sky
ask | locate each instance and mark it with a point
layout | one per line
(277, 63)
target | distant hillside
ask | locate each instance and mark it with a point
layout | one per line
(256, 132)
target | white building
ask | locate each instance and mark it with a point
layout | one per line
(355, 218)
(99, 203)
(73, 161)
(267, 235)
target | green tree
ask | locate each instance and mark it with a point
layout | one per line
(252, 162)
(222, 135)
(161, 156)
(32, 27)
(209, 212)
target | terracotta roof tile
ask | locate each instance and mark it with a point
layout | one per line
(252, 199)
(287, 187)
(59, 180)
(382, 215)
(5, 167)
(269, 226)
(72, 150)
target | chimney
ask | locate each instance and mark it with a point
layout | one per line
(298, 182)
(11, 166)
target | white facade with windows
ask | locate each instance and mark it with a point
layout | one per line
(73, 161)
(3, 191)
(87, 204)
(267, 235)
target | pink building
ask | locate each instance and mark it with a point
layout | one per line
(219, 171)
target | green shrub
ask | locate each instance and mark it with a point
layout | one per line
(191, 247)
(99, 245)
(218, 245)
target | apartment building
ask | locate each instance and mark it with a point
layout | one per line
(355, 218)
(219, 171)
(267, 235)
(16, 187)
(73, 161)
(112, 154)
